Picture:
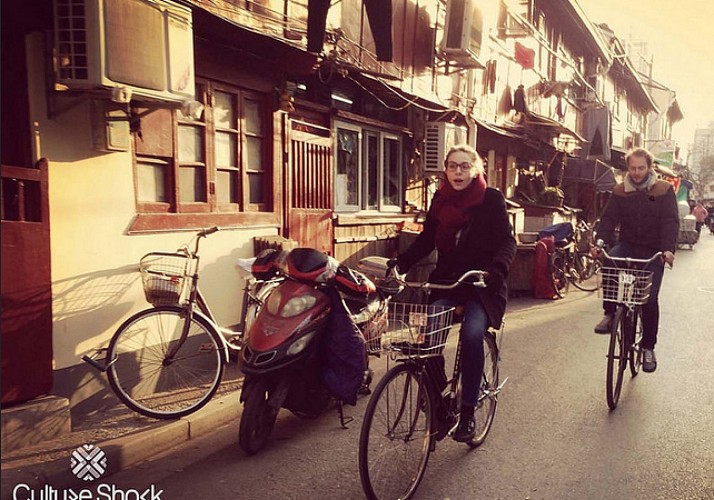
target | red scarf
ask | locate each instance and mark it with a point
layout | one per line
(451, 210)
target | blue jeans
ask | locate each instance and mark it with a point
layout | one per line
(473, 328)
(650, 311)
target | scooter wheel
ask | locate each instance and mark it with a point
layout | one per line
(258, 418)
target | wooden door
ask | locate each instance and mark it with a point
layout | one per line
(26, 284)
(309, 186)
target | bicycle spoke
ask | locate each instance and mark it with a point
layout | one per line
(488, 399)
(395, 436)
(150, 383)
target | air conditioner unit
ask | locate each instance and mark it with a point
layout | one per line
(136, 49)
(438, 138)
(463, 33)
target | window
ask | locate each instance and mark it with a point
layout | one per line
(368, 169)
(218, 164)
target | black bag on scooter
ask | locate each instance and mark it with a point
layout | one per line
(344, 350)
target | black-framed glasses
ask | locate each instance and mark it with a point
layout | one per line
(452, 166)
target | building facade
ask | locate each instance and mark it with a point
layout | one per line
(276, 120)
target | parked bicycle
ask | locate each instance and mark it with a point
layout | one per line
(627, 283)
(167, 361)
(571, 262)
(408, 412)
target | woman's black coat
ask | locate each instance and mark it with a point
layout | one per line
(486, 243)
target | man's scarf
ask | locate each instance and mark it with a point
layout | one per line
(451, 208)
(647, 183)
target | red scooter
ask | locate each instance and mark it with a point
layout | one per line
(306, 349)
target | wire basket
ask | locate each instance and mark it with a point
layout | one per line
(626, 286)
(163, 276)
(417, 329)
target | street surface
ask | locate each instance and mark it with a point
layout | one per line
(554, 437)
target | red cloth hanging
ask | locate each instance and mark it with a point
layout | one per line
(525, 56)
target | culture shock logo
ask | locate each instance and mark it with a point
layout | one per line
(89, 462)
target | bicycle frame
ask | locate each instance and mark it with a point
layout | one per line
(421, 361)
(409, 411)
(627, 284)
(196, 304)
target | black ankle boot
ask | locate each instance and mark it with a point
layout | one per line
(466, 430)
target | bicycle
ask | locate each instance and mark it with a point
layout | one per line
(629, 286)
(167, 361)
(408, 412)
(571, 262)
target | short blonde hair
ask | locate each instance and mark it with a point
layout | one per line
(476, 159)
(640, 152)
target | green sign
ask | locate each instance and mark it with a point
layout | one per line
(663, 152)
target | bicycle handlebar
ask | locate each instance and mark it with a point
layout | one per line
(600, 245)
(186, 247)
(207, 232)
(474, 273)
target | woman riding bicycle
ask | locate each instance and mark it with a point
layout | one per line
(469, 226)
(645, 209)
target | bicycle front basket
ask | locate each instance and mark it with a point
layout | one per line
(163, 276)
(417, 329)
(626, 286)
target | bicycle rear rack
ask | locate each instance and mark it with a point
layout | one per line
(92, 361)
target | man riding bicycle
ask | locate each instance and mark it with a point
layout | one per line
(645, 209)
(469, 226)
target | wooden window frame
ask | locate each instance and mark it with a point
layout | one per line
(177, 215)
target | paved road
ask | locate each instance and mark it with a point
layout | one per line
(554, 437)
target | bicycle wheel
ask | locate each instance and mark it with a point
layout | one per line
(635, 351)
(488, 397)
(147, 381)
(559, 278)
(395, 437)
(616, 357)
(588, 272)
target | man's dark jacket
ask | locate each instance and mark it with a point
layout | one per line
(648, 220)
(486, 243)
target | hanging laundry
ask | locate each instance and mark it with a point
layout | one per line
(525, 56)
(519, 100)
(560, 108)
(598, 132)
(505, 103)
(379, 15)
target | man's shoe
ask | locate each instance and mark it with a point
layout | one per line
(604, 325)
(466, 430)
(649, 361)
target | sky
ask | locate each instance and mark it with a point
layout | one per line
(680, 38)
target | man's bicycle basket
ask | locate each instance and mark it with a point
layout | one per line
(626, 286)
(163, 276)
(417, 329)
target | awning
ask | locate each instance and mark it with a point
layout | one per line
(498, 130)
(391, 96)
(661, 169)
(490, 136)
(596, 172)
(259, 50)
(545, 123)
(617, 158)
